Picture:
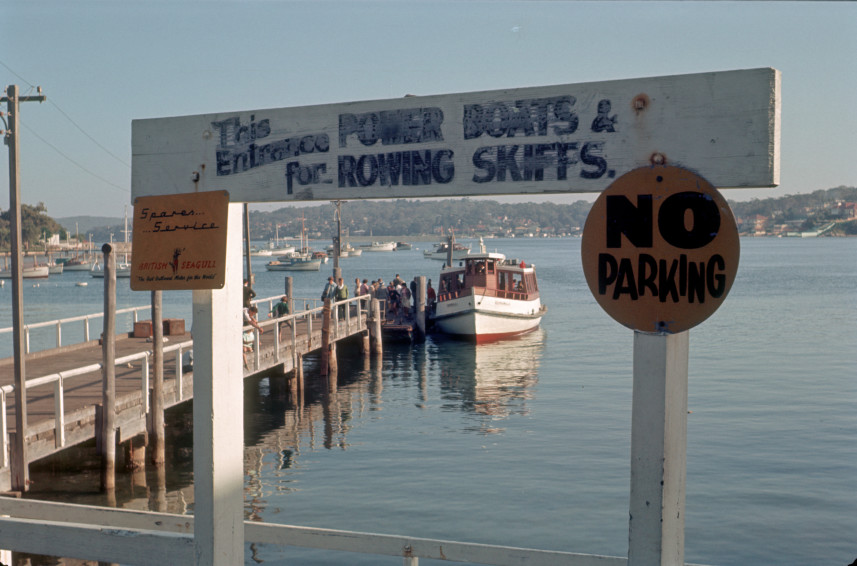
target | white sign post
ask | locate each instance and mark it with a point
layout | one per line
(540, 140)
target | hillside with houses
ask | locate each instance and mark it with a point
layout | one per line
(831, 212)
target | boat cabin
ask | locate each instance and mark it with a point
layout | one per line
(489, 274)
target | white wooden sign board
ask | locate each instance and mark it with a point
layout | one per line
(552, 139)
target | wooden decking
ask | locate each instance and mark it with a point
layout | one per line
(64, 385)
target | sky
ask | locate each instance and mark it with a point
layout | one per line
(102, 64)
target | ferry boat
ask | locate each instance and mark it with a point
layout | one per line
(488, 298)
(379, 247)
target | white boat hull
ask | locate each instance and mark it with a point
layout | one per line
(37, 272)
(379, 247)
(299, 265)
(122, 271)
(484, 319)
(81, 266)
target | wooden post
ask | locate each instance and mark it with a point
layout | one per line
(375, 327)
(218, 412)
(420, 307)
(289, 292)
(157, 420)
(332, 362)
(299, 377)
(108, 373)
(249, 268)
(324, 368)
(20, 472)
(658, 450)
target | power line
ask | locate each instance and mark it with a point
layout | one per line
(110, 153)
(67, 117)
(49, 144)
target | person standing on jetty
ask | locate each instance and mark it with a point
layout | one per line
(280, 310)
(247, 336)
(329, 290)
(249, 294)
(341, 295)
(431, 297)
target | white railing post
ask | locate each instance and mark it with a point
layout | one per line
(276, 328)
(59, 333)
(4, 433)
(257, 345)
(179, 373)
(86, 329)
(144, 386)
(27, 340)
(59, 412)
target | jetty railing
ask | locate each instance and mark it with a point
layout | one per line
(135, 317)
(59, 380)
(150, 538)
(85, 318)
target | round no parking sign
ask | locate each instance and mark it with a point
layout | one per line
(660, 249)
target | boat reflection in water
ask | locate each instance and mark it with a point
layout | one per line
(494, 379)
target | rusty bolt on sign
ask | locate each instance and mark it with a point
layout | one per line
(640, 103)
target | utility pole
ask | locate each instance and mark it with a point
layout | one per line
(337, 240)
(247, 244)
(20, 470)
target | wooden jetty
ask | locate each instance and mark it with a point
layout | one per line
(64, 384)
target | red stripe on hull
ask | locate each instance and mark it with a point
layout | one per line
(488, 338)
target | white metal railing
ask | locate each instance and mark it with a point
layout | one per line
(58, 324)
(355, 304)
(150, 538)
(58, 381)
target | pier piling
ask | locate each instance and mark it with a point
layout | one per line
(108, 373)
(157, 421)
(375, 327)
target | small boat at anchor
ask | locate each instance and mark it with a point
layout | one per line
(123, 271)
(441, 251)
(379, 247)
(29, 272)
(296, 263)
(488, 298)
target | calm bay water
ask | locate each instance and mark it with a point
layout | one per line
(527, 442)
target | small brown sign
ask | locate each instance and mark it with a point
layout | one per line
(660, 249)
(180, 242)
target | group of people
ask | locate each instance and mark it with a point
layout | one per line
(397, 295)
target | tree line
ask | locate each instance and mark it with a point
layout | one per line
(434, 216)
